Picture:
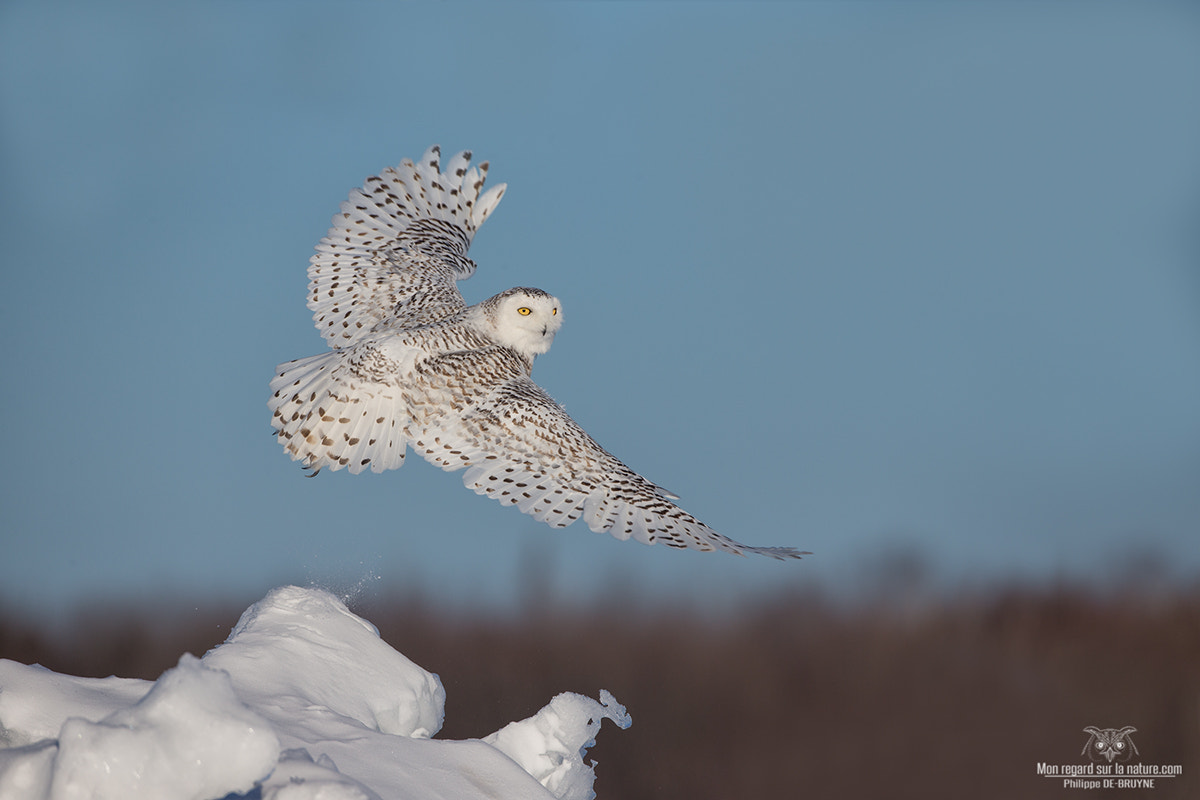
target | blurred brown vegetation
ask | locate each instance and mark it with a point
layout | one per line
(793, 697)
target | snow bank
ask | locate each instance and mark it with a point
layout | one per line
(551, 744)
(304, 701)
(300, 648)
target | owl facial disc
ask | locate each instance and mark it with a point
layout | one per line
(525, 320)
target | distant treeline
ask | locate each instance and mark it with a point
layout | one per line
(794, 697)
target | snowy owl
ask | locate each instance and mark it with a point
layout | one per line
(412, 365)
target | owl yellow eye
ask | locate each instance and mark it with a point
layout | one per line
(523, 311)
(554, 313)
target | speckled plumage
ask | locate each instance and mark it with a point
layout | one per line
(412, 365)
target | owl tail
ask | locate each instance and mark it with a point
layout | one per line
(323, 422)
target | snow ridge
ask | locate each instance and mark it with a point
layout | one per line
(302, 701)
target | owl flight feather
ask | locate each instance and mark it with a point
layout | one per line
(412, 365)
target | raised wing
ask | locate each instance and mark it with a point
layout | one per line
(398, 247)
(520, 447)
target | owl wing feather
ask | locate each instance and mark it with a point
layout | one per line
(389, 265)
(398, 247)
(520, 447)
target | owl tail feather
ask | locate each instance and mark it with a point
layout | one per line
(322, 422)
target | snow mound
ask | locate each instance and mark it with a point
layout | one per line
(188, 737)
(304, 701)
(306, 649)
(551, 744)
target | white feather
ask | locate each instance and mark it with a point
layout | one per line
(412, 363)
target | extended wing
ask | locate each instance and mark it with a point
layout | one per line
(520, 447)
(398, 247)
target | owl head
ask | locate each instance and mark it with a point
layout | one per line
(1112, 744)
(524, 319)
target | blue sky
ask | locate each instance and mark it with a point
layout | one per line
(853, 277)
